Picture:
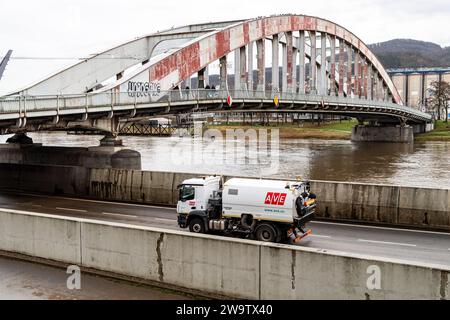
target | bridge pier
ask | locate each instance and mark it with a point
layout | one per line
(383, 133)
(20, 138)
(100, 157)
(111, 140)
(20, 149)
(423, 127)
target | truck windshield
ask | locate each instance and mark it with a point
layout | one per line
(187, 193)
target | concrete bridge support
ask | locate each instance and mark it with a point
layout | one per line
(289, 63)
(201, 79)
(333, 89)
(383, 133)
(275, 64)
(20, 138)
(312, 65)
(357, 75)
(223, 73)
(341, 68)
(243, 68)
(20, 149)
(301, 47)
(250, 66)
(261, 58)
(323, 64)
(237, 69)
(423, 127)
(284, 69)
(349, 75)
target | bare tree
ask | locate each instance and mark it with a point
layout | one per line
(440, 97)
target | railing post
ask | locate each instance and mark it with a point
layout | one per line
(25, 106)
(86, 107)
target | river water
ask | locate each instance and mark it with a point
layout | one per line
(420, 164)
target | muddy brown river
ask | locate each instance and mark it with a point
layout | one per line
(419, 164)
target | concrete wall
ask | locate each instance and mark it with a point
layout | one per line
(136, 186)
(45, 179)
(395, 205)
(216, 265)
(383, 204)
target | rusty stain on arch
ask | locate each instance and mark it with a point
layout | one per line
(198, 54)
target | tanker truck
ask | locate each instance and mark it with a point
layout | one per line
(265, 210)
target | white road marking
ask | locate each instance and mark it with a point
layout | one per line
(388, 243)
(119, 215)
(69, 209)
(98, 201)
(379, 228)
(319, 236)
(166, 220)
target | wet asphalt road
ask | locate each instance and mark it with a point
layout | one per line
(409, 245)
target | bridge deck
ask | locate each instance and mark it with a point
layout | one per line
(20, 110)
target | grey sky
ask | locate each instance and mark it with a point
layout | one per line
(77, 28)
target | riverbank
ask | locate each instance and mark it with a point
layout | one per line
(329, 131)
(440, 133)
(332, 130)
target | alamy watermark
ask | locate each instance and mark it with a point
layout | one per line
(256, 147)
(74, 280)
(374, 279)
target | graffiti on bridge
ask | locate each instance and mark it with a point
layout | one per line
(143, 89)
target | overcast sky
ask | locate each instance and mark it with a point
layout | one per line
(78, 28)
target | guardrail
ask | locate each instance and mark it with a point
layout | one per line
(23, 104)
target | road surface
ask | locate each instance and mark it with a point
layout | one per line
(410, 245)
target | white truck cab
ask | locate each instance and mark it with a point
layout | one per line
(195, 193)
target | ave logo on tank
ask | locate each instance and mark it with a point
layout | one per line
(275, 198)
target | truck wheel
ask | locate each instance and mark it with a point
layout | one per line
(197, 226)
(266, 233)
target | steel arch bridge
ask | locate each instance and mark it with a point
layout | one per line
(324, 69)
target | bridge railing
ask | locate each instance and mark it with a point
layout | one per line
(108, 100)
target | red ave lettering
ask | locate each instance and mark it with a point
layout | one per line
(268, 198)
(277, 199)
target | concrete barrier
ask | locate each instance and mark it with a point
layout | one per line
(303, 273)
(40, 236)
(341, 201)
(216, 265)
(358, 202)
